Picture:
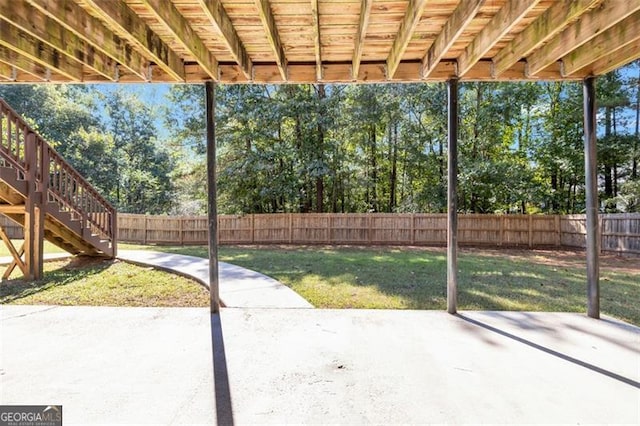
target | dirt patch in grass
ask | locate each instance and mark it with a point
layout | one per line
(103, 282)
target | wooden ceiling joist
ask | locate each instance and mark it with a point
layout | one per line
(312, 41)
(407, 26)
(7, 72)
(317, 42)
(615, 60)
(548, 25)
(40, 26)
(604, 44)
(75, 19)
(456, 24)
(508, 16)
(271, 32)
(610, 13)
(218, 17)
(38, 51)
(24, 64)
(363, 23)
(130, 26)
(167, 13)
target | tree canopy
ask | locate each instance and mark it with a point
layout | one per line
(345, 148)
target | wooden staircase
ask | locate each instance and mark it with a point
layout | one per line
(42, 193)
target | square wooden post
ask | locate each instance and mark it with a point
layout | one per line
(214, 289)
(33, 214)
(452, 198)
(591, 187)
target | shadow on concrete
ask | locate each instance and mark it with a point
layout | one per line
(565, 357)
(224, 409)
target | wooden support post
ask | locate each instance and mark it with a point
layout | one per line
(214, 289)
(33, 215)
(452, 196)
(591, 187)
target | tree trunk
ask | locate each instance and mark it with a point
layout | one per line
(320, 150)
(374, 167)
(394, 168)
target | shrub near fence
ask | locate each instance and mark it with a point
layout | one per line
(619, 232)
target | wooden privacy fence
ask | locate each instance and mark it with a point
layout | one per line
(620, 233)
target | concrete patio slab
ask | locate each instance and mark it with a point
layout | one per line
(239, 287)
(304, 366)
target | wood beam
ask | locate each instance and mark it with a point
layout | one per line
(75, 19)
(12, 209)
(590, 25)
(453, 28)
(615, 60)
(317, 42)
(8, 72)
(38, 51)
(615, 38)
(13, 264)
(501, 23)
(405, 32)
(121, 19)
(218, 17)
(363, 24)
(180, 28)
(40, 26)
(269, 23)
(546, 26)
(19, 62)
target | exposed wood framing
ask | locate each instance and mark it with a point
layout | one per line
(130, 26)
(71, 16)
(49, 31)
(500, 24)
(12, 209)
(590, 25)
(615, 60)
(7, 71)
(24, 64)
(13, 264)
(365, 12)
(167, 13)
(604, 44)
(407, 26)
(269, 23)
(218, 17)
(38, 51)
(461, 17)
(546, 26)
(14, 253)
(317, 41)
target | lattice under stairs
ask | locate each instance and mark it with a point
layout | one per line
(42, 193)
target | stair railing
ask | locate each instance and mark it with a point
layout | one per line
(66, 189)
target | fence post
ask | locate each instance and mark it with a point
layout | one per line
(253, 228)
(181, 227)
(556, 220)
(290, 228)
(329, 223)
(144, 229)
(502, 219)
(530, 230)
(413, 229)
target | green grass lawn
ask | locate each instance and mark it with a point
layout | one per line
(103, 282)
(415, 278)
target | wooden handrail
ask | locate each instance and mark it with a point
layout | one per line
(64, 185)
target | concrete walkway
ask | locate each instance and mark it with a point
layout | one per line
(239, 287)
(176, 366)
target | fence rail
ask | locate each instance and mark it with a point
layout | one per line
(619, 232)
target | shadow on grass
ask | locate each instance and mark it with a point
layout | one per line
(76, 269)
(416, 279)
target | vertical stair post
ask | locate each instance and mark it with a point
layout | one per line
(34, 216)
